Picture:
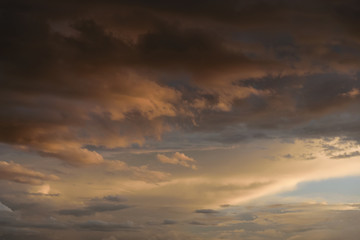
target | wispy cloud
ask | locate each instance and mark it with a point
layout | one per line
(17, 173)
(177, 159)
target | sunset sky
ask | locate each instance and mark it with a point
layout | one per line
(180, 120)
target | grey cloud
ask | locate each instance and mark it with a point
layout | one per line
(46, 195)
(4, 208)
(206, 211)
(246, 217)
(308, 156)
(14, 220)
(225, 205)
(198, 223)
(98, 225)
(107, 207)
(92, 209)
(27, 204)
(115, 198)
(8, 234)
(289, 156)
(77, 212)
(169, 222)
(346, 155)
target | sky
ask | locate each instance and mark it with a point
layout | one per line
(174, 120)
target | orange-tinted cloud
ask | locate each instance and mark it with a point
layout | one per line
(17, 173)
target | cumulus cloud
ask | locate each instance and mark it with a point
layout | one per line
(17, 173)
(177, 159)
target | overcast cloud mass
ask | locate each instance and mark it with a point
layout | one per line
(179, 120)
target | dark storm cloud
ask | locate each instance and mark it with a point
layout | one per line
(107, 73)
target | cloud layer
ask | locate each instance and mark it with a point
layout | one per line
(117, 74)
(107, 101)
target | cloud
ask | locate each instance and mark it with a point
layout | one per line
(142, 173)
(169, 222)
(206, 211)
(74, 156)
(288, 156)
(177, 159)
(13, 221)
(17, 173)
(107, 207)
(90, 80)
(347, 155)
(115, 198)
(4, 208)
(77, 212)
(98, 225)
(110, 238)
(90, 83)
(198, 223)
(92, 209)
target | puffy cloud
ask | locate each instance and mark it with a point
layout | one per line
(177, 159)
(17, 173)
